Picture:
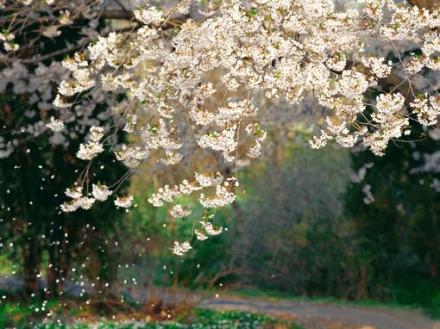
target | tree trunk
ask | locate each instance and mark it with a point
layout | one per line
(31, 266)
(58, 265)
(53, 273)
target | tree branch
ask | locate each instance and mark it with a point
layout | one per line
(67, 50)
(117, 14)
(428, 4)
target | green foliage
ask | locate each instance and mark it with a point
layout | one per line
(208, 264)
(278, 233)
(290, 218)
(397, 234)
(18, 315)
(148, 236)
(416, 291)
(198, 319)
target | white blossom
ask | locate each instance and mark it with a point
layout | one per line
(101, 192)
(200, 235)
(205, 180)
(74, 192)
(151, 15)
(193, 90)
(55, 125)
(96, 134)
(427, 109)
(89, 150)
(124, 201)
(76, 203)
(85, 202)
(179, 211)
(221, 198)
(181, 249)
(131, 156)
(209, 228)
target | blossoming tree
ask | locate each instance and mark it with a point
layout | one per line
(260, 51)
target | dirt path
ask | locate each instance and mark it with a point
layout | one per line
(326, 316)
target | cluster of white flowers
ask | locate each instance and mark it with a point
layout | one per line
(55, 125)
(206, 180)
(427, 109)
(78, 200)
(377, 66)
(181, 249)
(179, 211)
(83, 81)
(26, 76)
(222, 197)
(7, 38)
(89, 150)
(37, 88)
(168, 194)
(209, 228)
(100, 192)
(195, 89)
(131, 156)
(149, 16)
(124, 201)
(206, 229)
(390, 120)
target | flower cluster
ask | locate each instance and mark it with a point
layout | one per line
(78, 200)
(390, 119)
(194, 90)
(181, 249)
(427, 109)
(89, 150)
(206, 229)
(99, 193)
(179, 211)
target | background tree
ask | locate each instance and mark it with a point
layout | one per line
(36, 164)
(395, 214)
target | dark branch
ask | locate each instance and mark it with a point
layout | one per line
(68, 50)
(118, 14)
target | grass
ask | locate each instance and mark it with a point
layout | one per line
(412, 294)
(23, 317)
(422, 298)
(15, 314)
(276, 295)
